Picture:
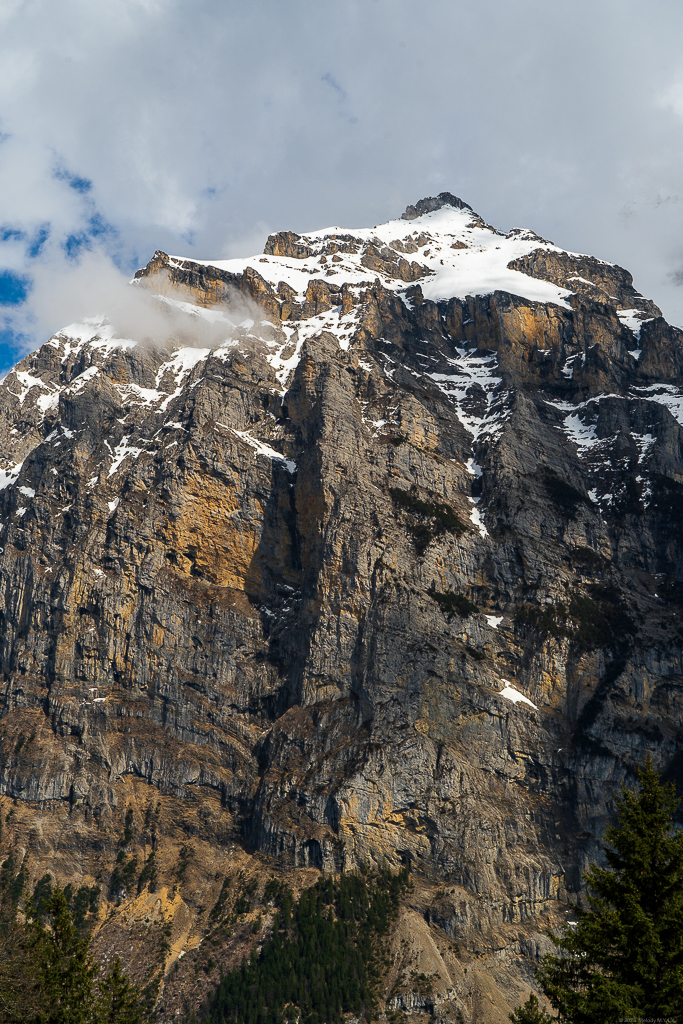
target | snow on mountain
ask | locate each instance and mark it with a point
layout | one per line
(462, 255)
(446, 253)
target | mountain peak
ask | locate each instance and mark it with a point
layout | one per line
(432, 203)
(393, 510)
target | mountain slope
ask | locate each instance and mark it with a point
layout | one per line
(372, 554)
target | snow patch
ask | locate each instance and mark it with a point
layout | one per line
(462, 256)
(136, 395)
(477, 519)
(26, 382)
(262, 449)
(122, 450)
(510, 693)
(664, 394)
(9, 476)
(568, 368)
(634, 320)
(82, 379)
(180, 366)
(494, 621)
(644, 443)
(584, 435)
(48, 402)
(95, 331)
(474, 389)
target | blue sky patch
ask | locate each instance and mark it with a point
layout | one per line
(9, 234)
(38, 241)
(75, 243)
(74, 181)
(13, 288)
(12, 348)
(97, 225)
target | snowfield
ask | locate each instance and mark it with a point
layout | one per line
(464, 257)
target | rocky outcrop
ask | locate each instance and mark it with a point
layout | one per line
(589, 277)
(287, 243)
(298, 582)
(431, 204)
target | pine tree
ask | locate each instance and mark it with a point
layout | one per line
(119, 1000)
(624, 958)
(531, 1013)
(20, 995)
(66, 971)
(47, 974)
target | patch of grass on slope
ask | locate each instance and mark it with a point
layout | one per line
(599, 620)
(442, 518)
(563, 495)
(452, 603)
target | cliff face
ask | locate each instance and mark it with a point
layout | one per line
(387, 568)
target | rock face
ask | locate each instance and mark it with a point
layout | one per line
(295, 582)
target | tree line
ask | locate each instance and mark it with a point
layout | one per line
(325, 957)
(621, 958)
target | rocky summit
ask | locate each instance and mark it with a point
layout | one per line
(368, 551)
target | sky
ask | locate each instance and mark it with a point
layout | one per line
(198, 128)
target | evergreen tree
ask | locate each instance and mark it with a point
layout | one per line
(20, 995)
(531, 1013)
(323, 959)
(47, 974)
(65, 970)
(624, 958)
(119, 1001)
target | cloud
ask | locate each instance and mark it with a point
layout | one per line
(131, 126)
(93, 286)
(671, 97)
(327, 77)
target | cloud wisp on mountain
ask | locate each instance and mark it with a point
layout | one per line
(139, 125)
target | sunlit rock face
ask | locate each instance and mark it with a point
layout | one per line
(367, 549)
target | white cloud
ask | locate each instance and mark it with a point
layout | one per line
(204, 126)
(93, 286)
(672, 97)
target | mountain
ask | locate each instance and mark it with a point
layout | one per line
(368, 553)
